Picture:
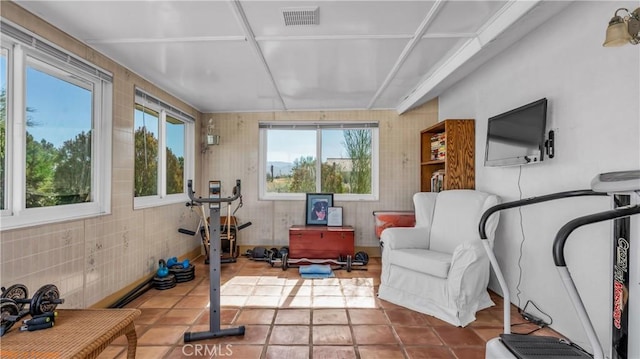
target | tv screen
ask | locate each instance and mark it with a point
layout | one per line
(517, 137)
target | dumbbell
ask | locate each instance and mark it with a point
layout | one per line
(44, 299)
(172, 261)
(14, 298)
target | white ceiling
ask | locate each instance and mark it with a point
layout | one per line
(238, 56)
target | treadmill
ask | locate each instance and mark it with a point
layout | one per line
(509, 345)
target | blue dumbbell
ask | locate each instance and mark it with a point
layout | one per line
(172, 261)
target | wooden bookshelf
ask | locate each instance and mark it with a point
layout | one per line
(458, 164)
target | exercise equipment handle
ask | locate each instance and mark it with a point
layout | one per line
(37, 321)
(492, 258)
(531, 200)
(31, 328)
(186, 231)
(559, 260)
(565, 231)
(236, 194)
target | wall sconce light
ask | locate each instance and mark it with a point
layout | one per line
(622, 30)
(213, 140)
(210, 139)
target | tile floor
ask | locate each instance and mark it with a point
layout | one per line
(286, 316)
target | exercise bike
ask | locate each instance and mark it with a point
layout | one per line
(228, 231)
(509, 345)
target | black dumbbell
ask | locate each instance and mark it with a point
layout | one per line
(14, 298)
(44, 299)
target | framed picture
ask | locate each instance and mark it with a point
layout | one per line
(318, 208)
(334, 217)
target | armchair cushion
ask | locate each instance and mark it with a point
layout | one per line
(456, 218)
(423, 260)
(405, 237)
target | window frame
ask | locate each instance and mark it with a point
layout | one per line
(162, 198)
(22, 54)
(318, 127)
(6, 208)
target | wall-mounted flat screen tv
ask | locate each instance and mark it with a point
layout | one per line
(517, 137)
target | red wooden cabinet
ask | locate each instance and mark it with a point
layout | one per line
(318, 242)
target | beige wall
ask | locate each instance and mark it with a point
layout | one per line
(237, 158)
(90, 259)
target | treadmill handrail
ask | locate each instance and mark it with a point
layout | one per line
(492, 258)
(191, 194)
(564, 232)
(559, 260)
(528, 201)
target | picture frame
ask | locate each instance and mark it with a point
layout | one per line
(317, 208)
(334, 217)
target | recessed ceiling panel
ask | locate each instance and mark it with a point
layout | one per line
(426, 56)
(117, 20)
(339, 17)
(212, 76)
(463, 16)
(330, 74)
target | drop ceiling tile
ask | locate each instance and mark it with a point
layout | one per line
(330, 74)
(117, 20)
(339, 17)
(425, 57)
(463, 16)
(213, 76)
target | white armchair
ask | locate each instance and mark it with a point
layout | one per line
(439, 267)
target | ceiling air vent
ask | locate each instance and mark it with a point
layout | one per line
(301, 16)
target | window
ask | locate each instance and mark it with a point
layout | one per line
(3, 127)
(175, 155)
(348, 165)
(146, 151)
(58, 137)
(55, 113)
(164, 136)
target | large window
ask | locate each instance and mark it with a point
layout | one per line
(164, 137)
(55, 133)
(348, 165)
